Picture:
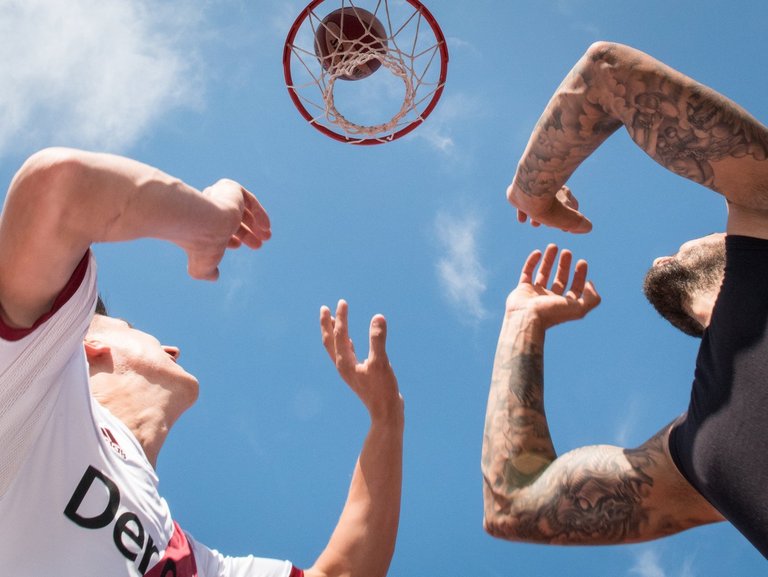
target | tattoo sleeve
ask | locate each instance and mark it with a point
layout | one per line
(592, 495)
(683, 125)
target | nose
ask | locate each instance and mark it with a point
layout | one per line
(662, 259)
(173, 352)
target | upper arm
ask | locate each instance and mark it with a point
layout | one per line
(601, 495)
(684, 125)
(39, 247)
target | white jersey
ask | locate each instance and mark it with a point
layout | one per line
(77, 494)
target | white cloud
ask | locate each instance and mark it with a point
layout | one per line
(456, 44)
(452, 112)
(565, 7)
(628, 424)
(91, 73)
(569, 9)
(648, 564)
(282, 16)
(237, 273)
(461, 275)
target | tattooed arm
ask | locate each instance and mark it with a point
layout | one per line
(592, 495)
(683, 125)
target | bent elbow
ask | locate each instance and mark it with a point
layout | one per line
(53, 163)
(612, 54)
(500, 520)
(600, 48)
(491, 527)
(513, 518)
(501, 527)
(46, 181)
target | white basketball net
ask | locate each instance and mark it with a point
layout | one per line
(411, 54)
(347, 69)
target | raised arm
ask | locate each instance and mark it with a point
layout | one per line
(683, 125)
(363, 542)
(589, 496)
(63, 200)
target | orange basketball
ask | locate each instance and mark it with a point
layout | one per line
(346, 33)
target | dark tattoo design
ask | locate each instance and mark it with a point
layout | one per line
(521, 426)
(590, 495)
(684, 126)
(593, 500)
(526, 371)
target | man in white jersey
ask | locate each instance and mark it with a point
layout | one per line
(86, 401)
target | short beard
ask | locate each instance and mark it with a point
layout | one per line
(670, 287)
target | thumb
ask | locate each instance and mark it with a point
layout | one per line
(566, 218)
(590, 297)
(203, 267)
(378, 338)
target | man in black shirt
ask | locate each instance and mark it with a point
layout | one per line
(710, 463)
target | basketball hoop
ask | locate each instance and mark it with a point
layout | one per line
(389, 84)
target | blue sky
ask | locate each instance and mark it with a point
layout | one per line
(418, 230)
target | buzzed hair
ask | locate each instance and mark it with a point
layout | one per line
(101, 308)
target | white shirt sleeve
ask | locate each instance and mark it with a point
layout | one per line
(31, 363)
(211, 563)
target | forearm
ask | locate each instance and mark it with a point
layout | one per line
(573, 124)
(683, 125)
(62, 200)
(363, 541)
(516, 443)
(100, 197)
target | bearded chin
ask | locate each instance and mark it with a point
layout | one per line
(668, 283)
(668, 288)
(671, 286)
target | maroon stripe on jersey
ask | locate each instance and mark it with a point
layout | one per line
(178, 561)
(14, 334)
(296, 572)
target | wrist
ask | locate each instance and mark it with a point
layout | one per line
(520, 195)
(527, 320)
(526, 314)
(391, 416)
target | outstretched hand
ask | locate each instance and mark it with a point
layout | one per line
(373, 379)
(244, 222)
(553, 305)
(558, 211)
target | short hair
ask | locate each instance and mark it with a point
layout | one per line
(101, 308)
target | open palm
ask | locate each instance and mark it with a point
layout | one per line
(553, 305)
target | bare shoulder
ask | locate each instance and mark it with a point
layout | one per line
(674, 497)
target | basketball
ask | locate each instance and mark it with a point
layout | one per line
(347, 33)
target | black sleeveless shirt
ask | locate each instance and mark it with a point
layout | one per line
(722, 445)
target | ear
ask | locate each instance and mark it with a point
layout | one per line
(94, 349)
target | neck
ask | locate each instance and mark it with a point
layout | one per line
(147, 410)
(150, 427)
(702, 305)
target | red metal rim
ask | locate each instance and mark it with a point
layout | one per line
(442, 47)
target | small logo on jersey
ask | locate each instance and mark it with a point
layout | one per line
(113, 443)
